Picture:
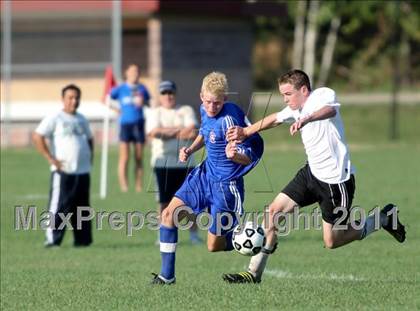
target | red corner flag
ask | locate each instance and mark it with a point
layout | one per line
(109, 82)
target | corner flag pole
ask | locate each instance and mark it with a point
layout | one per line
(109, 84)
(104, 154)
(116, 47)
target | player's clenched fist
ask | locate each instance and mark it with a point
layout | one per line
(236, 133)
(294, 128)
(231, 149)
(184, 154)
(298, 125)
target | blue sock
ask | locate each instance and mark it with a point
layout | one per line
(229, 245)
(168, 240)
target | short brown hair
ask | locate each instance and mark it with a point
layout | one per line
(297, 78)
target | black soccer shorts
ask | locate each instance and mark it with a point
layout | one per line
(305, 189)
(168, 181)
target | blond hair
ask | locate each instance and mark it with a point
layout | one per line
(215, 83)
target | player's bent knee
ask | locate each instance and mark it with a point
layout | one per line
(330, 237)
(214, 247)
(166, 215)
(215, 243)
(211, 248)
(175, 209)
(330, 243)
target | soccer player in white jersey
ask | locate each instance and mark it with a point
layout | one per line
(327, 178)
(70, 154)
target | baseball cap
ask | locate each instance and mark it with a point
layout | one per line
(167, 86)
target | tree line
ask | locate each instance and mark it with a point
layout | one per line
(351, 45)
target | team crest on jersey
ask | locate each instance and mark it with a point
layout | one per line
(70, 128)
(212, 137)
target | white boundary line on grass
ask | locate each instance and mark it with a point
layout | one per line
(281, 274)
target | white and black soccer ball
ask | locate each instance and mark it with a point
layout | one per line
(248, 239)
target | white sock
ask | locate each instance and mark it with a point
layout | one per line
(258, 262)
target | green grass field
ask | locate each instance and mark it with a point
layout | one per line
(114, 273)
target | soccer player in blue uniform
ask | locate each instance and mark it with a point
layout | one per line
(216, 185)
(132, 97)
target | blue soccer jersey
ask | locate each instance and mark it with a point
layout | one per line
(213, 129)
(217, 184)
(125, 94)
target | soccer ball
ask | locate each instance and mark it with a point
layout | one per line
(248, 239)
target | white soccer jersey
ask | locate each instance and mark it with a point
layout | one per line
(324, 140)
(165, 151)
(68, 135)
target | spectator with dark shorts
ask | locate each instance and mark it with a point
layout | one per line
(132, 97)
(70, 153)
(170, 127)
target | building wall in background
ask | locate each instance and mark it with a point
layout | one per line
(192, 47)
(55, 43)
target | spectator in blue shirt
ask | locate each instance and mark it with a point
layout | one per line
(132, 97)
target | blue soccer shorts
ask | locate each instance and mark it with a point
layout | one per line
(132, 132)
(222, 200)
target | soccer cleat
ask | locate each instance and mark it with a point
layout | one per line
(159, 280)
(50, 245)
(241, 277)
(399, 232)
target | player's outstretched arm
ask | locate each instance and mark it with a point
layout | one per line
(240, 134)
(185, 152)
(325, 112)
